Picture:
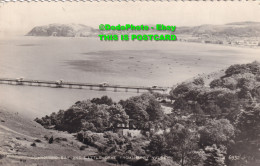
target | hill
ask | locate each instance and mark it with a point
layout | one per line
(24, 142)
(64, 30)
(239, 29)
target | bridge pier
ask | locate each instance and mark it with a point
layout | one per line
(60, 84)
(102, 88)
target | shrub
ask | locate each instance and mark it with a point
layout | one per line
(2, 156)
(198, 81)
(59, 139)
(51, 140)
(113, 161)
(46, 137)
(103, 100)
(95, 137)
(83, 147)
(253, 68)
(37, 140)
(80, 136)
(140, 162)
(86, 138)
(216, 83)
(33, 144)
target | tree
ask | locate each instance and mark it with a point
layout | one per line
(118, 115)
(199, 81)
(248, 122)
(218, 132)
(157, 146)
(182, 104)
(246, 83)
(142, 109)
(71, 120)
(236, 69)
(253, 68)
(154, 110)
(137, 113)
(103, 100)
(216, 83)
(212, 109)
(215, 156)
(180, 90)
(181, 143)
(230, 83)
(51, 140)
(85, 115)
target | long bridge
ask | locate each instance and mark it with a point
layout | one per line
(77, 85)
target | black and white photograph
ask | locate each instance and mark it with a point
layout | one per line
(131, 83)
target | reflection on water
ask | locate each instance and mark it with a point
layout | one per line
(93, 61)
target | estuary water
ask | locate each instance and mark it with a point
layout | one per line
(88, 60)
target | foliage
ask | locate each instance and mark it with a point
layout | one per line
(87, 115)
(198, 81)
(181, 143)
(230, 106)
(218, 132)
(215, 156)
(157, 145)
(142, 109)
(253, 68)
(207, 123)
(51, 140)
(248, 122)
(246, 144)
(216, 83)
(103, 100)
(85, 138)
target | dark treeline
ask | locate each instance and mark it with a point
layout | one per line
(210, 125)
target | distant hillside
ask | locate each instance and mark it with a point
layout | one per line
(238, 29)
(65, 30)
(24, 142)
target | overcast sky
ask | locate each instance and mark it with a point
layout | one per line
(19, 18)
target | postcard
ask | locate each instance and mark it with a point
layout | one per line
(139, 83)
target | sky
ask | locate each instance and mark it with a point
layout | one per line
(21, 17)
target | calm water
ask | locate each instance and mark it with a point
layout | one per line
(90, 60)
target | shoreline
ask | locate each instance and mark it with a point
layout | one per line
(93, 37)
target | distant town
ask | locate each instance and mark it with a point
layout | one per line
(253, 42)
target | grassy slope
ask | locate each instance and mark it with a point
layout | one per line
(18, 133)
